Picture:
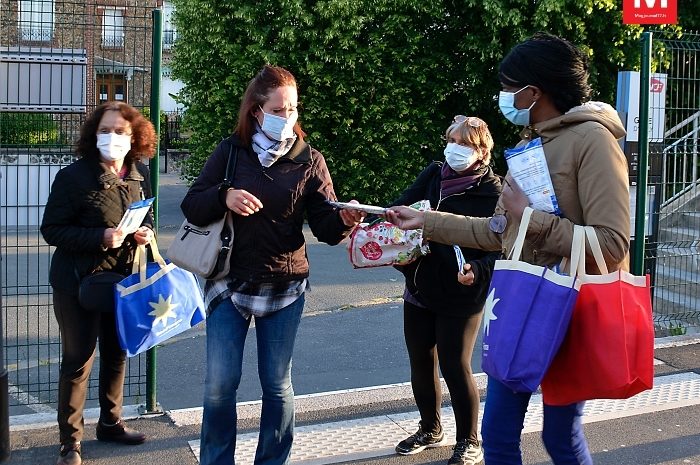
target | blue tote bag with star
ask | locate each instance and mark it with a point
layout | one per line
(156, 302)
(526, 316)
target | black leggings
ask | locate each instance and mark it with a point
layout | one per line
(450, 340)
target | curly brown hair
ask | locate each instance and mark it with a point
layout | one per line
(143, 143)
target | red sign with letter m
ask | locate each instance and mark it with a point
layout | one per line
(649, 11)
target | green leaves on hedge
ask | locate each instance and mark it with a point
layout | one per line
(379, 80)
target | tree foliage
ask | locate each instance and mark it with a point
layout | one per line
(379, 80)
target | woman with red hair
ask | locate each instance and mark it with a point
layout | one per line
(87, 201)
(279, 180)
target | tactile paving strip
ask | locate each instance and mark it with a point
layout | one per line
(376, 436)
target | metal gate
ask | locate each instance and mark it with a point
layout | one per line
(59, 59)
(672, 253)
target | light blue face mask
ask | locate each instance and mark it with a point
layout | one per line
(506, 102)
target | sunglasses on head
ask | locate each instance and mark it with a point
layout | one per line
(472, 121)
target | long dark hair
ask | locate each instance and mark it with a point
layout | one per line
(256, 94)
(552, 64)
(143, 143)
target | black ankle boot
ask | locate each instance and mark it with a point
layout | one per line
(119, 433)
(70, 454)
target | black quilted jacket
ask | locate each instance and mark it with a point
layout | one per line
(85, 200)
(432, 279)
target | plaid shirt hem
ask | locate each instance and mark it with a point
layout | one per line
(253, 299)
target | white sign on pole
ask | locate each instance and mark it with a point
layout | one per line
(628, 83)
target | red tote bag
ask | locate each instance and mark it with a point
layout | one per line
(608, 352)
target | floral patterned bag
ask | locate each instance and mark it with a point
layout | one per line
(380, 243)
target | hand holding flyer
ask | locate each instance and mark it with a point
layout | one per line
(528, 166)
(371, 209)
(134, 216)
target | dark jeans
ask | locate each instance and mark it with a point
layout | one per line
(80, 332)
(503, 420)
(432, 338)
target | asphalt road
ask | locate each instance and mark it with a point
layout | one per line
(351, 335)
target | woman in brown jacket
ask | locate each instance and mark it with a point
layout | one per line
(545, 88)
(88, 199)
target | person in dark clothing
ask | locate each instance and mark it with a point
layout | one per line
(278, 179)
(443, 304)
(87, 201)
(545, 88)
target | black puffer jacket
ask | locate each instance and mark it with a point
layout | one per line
(269, 245)
(85, 200)
(432, 279)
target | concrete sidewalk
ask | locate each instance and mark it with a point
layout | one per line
(661, 426)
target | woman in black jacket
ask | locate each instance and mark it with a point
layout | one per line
(278, 180)
(88, 199)
(443, 304)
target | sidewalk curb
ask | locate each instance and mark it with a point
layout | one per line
(308, 405)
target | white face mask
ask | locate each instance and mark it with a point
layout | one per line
(277, 127)
(460, 157)
(113, 146)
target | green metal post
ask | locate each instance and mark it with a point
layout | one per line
(642, 182)
(152, 406)
(4, 385)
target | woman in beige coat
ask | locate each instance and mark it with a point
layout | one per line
(545, 88)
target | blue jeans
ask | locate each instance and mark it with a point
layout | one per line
(226, 333)
(504, 415)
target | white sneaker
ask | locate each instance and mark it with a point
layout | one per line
(466, 453)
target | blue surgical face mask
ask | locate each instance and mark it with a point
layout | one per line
(278, 127)
(506, 102)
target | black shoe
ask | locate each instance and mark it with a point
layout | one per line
(419, 441)
(70, 454)
(466, 453)
(119, 433)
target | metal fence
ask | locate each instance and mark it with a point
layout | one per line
(59, 59)
(672, 252)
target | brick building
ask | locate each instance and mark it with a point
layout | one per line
(59, 59)
(66, 56)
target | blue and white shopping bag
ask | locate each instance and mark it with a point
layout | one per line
(156, 302)
(526, 316)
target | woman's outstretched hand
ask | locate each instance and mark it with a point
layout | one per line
(405, 217)
(352, 217)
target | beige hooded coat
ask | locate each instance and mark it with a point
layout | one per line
(590, 178)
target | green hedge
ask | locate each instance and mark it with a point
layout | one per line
(32, 129)
(379, 80)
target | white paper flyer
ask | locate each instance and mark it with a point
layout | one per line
(528, 166)
(134, 215)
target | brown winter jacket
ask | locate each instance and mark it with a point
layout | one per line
(86, 199)
(590, 179)
(269, 245)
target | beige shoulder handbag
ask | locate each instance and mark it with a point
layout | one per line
(206, 251)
